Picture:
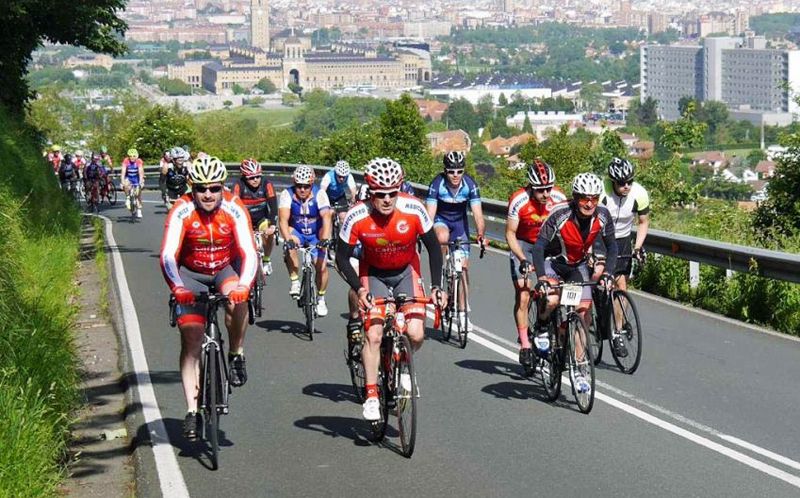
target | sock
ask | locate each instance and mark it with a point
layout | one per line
(372, 391)
(523, 337)
(321, 294)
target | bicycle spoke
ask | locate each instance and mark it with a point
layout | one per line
(627, 330)
(581, 364)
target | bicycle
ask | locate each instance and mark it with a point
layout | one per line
(308, 287)
(108, 190)
(610, 310)
(133, 200)
(564, 355)
(454, 279)
(215, 389)
(255, 305)
(92, 190)
(397, 361)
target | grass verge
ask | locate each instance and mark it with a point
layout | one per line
(100, 259)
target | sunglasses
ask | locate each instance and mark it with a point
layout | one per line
(383, 195)
(302, 186)
(455, 171)
(588, 199)
(543, 189)
(624, 183)
(216, 189)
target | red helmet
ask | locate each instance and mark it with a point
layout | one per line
(250, 167)
(541, 175)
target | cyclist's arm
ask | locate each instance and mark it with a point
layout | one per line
(272, 204)
(325, 183)
(432, 200)
(546, 234)
(477, 213)
(434, 253)
(641, 230)
(351, 186)
(285, 214)
(243, 234)
(610, 241)
(511, 238)
(140, 165)
(171, 245)
(343, 256)
(326, 212)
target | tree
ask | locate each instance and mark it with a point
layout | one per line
(238, 89)
(609, 145)
(266, 85)
(754, 157)
(502, 100)
(356, 144)
(685, 132)
(647, 112)
(174, 87)
(295, 88)
(684, 102)
(290, 99)
(780, 213)
(402, 137)
(27, 23)
(158, 130)
(714, 114)
(485, 109)
(592, 97)
(227, 104)
(567, 154)
(527, 127)
(460, 115)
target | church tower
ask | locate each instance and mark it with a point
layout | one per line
(259, 24)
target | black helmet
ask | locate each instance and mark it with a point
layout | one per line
(620, 170)
(453, 160)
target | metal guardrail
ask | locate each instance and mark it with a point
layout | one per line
(733, 257)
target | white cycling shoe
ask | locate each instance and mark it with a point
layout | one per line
(294, 290)
(322, 308)
(372, 410)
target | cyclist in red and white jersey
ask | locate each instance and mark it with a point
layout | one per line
(528, 208)
(208, 242)
(387, 226)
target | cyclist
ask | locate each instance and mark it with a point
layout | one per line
(207, 241)
(387, 226)
(339, 184)
(448, 197)
(626, 200)
(67, 173)
(258, 195)
(55, 157)
(354, 325)
(93, 174)
(528, 207)
(304, 217)
(108, 162)
(176, 174)
(566, 239)
(164, 164)
(80, 162)
(133, 177)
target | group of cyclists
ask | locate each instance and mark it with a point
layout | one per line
(72, 169)
(211, 233)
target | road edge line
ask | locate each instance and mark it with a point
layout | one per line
(169, 473)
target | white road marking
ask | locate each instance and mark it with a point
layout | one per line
(668, 426)
(169, 473)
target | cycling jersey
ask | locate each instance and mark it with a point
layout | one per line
(261, 202)
(93, 171)
(176, 180)
(305, 215)
(568, 239)
(531, 214)
(407, 188)
(623, 209)
(333, 188)
(389, 243)
(451, 204)
(67, 171)
(131, 169)
(208, 242)
(80, 163)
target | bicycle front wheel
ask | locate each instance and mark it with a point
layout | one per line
(210, 412)
(580, 365)
(357, 375)
(406, 397)
(310, 305)
(551, 368)
(625, 322)
(596, 335)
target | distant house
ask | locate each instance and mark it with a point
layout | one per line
(642, 149)
(432, 109)
(628, 139)
(765, 169)
(715, 159)
(501, 147)
(749, 176)
(443, 142)
(727, 175)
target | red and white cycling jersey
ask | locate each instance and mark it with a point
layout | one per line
(388, 242)
(531, 214)
(208, 242)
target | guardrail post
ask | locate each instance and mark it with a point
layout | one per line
(694, 274)
(729, 274)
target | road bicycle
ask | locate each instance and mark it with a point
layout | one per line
(616, 319)
(215, 389)
(307, 300)
(92, 190)
(454, 282)
(564, 346)
(133, 201)
(397, 382)
(255, 305)
(108, 190)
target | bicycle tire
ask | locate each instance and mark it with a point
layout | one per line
(551, 368)
(578, 333)
(631, 335)
(211, 411)
(462, 328)
(309, 307)
(259, 302)
(384, 381)
(357, 375)
(112, 193)
(452, 289)
(406, 402)
(596, 335)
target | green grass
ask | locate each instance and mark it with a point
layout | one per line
(38, 370)
(100, 259)
(729, 153)
(264, 117)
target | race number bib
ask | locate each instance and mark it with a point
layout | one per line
(571, 295)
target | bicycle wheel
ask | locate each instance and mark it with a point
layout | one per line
(112, 193)
(310, 304)
(357, 375)
(384, 389)
(406, 399)
(462, 327)
(452, 291)
(259, 294)
(630, 332)
(551, 368)
(596, 335)
(578, 339)
(210, 412)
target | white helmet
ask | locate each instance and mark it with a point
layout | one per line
(620, 170)
(303, 175)
(207, 170)
(383, 173)
(179, 153)
(587, 184)
(79, 153)
(342, 168)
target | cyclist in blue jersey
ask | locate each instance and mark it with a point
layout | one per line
(340, 185)
(304, 217)
(448, 197)
(133, 178)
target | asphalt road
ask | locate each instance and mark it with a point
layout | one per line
(712, 411)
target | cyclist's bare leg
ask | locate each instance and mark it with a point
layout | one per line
(191, 344)
(621, 284)
(522, 297)
(463, 297)
(292, 262)
(235, 319)
(372, 351)
(443, 235)
(322, 274)
(269, 243)
(416, 332)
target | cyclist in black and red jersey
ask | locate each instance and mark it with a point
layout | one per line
(258, 195)
(562, 250)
